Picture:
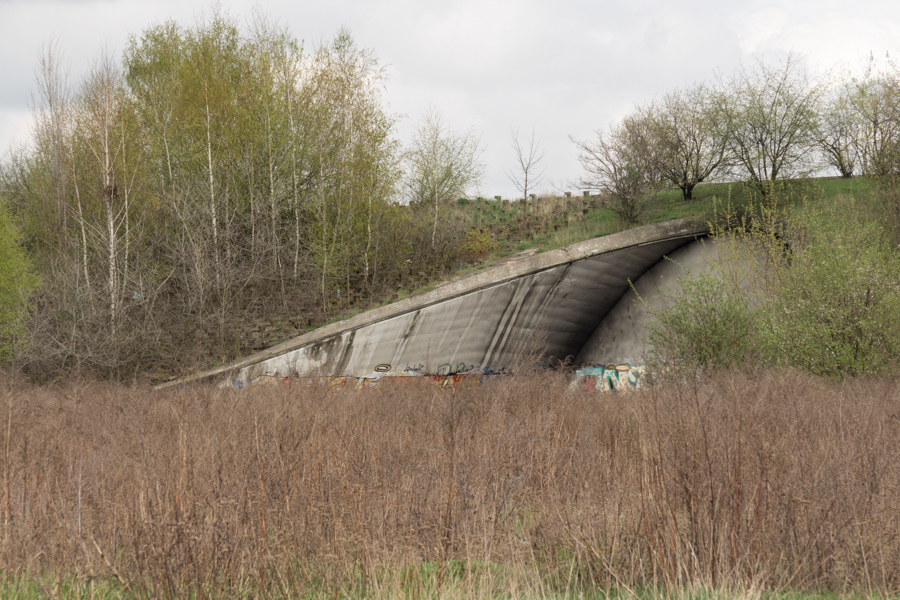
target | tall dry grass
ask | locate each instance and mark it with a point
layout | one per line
(747, 481)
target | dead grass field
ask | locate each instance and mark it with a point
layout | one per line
(747, 483)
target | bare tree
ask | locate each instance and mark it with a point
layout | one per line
(52, 129)
(839, 127)
(441, 164)
(527, 175)
(622, 165)
(874, 107)
(771, 114)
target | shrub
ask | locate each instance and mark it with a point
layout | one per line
(701, 324)
(16, 284)
(820, 294)
(838, 310)
(477, 246)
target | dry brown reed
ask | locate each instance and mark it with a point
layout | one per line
(747, 481)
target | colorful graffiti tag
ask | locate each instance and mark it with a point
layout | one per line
(609, 378)
(604, 378)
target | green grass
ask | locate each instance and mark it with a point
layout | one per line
(63, 588)
(585, 219)
(668, 205)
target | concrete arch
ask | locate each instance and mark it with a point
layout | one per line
(558, 304)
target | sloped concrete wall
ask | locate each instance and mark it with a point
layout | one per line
(550, 303)
(553, 312)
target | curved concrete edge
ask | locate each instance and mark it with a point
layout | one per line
(622, 336)
(646, 234)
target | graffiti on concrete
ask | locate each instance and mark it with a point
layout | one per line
(448, 369)
(605, 378)
(609, 378)
(445, 377)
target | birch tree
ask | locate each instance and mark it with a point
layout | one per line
(357, 166)
(441, 165)
(52, 132)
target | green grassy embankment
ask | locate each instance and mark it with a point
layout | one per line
(546, 223)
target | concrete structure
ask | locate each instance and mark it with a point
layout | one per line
(572, 302)
(620, 337)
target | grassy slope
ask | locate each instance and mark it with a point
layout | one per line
(555, 222)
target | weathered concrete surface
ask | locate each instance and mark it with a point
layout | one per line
(550, 303)
(621, 337)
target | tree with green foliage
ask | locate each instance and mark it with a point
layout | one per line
(357, 169)
(17, 282)
(213, 177)
(688, 140)
(442, 165)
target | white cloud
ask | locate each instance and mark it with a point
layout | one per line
(567, 67)
(15, 127)
(757, 28)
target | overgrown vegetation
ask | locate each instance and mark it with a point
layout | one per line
(218, 188)
(17, 282)
(810, 287)
(746, 483)
(213, 190)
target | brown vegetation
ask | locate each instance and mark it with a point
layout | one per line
(747, 481)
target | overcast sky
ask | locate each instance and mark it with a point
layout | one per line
(562, 67)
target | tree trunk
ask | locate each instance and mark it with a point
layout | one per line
(212, 194)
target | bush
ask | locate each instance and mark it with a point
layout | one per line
(821, 295)
(837, 312)
(702, 325)
(477, 246)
